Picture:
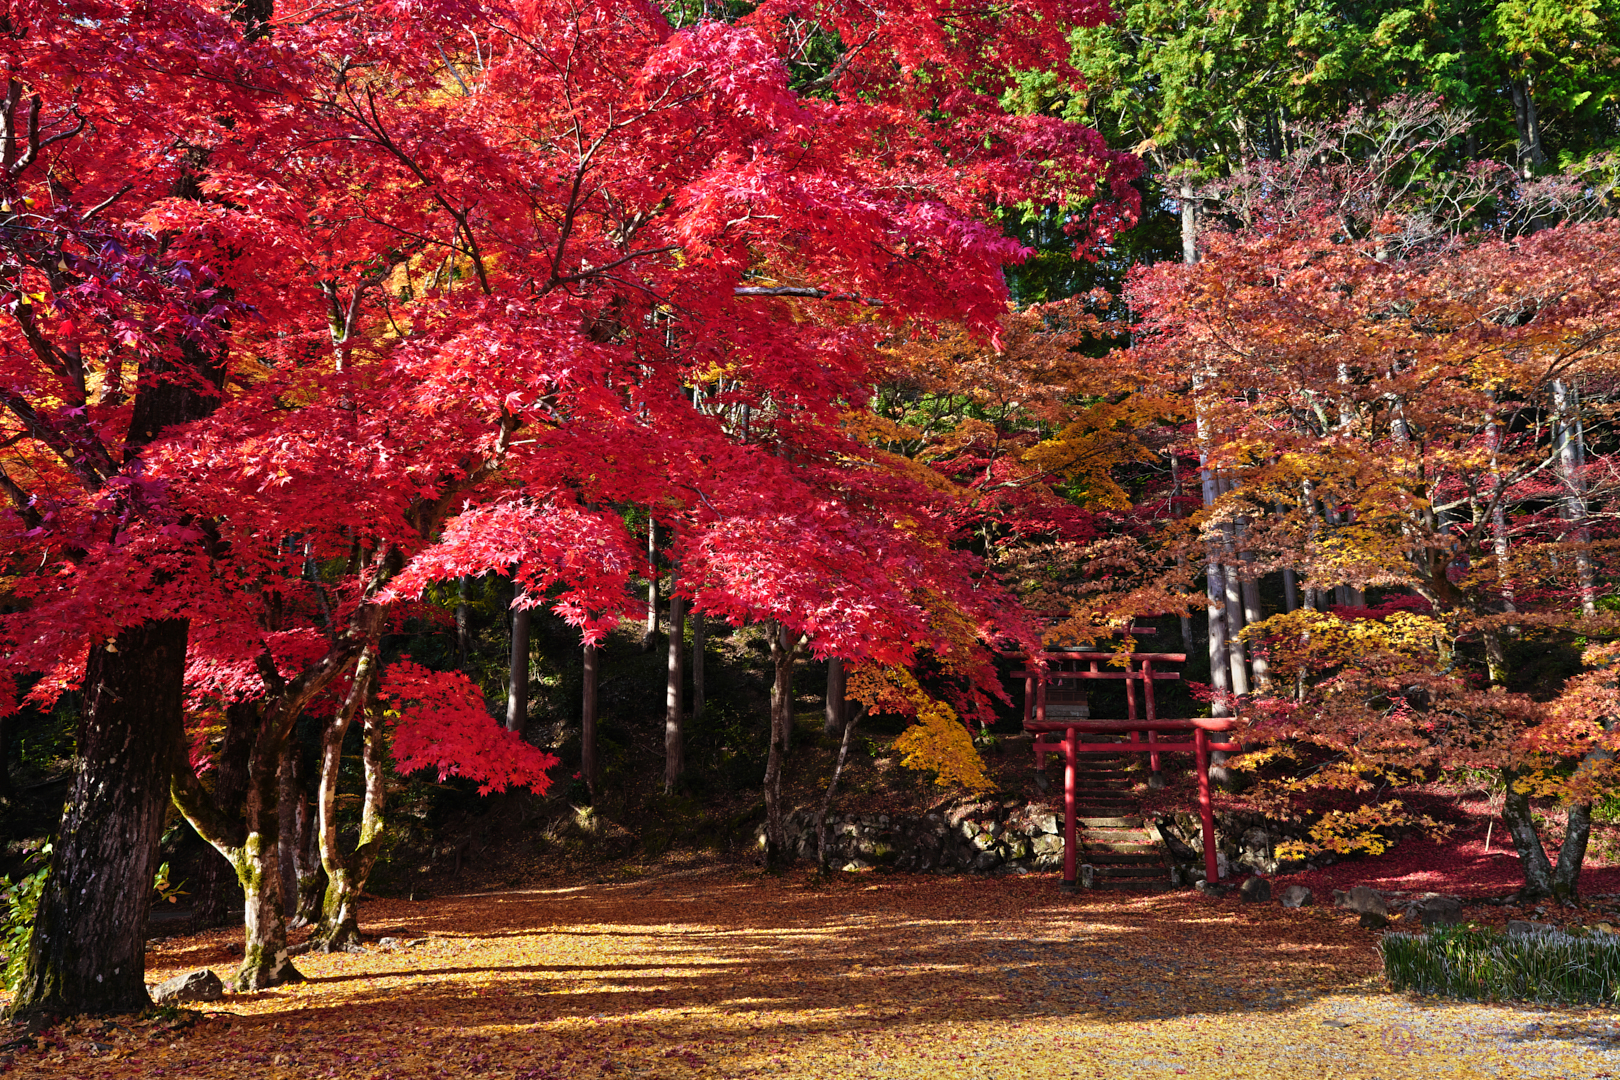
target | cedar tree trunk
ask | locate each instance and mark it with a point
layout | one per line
(837, 708)
(700, 642)
(87, 953)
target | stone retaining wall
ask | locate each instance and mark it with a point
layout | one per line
(977, 838)
(1012, 837)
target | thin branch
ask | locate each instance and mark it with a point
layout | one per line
(805, 291)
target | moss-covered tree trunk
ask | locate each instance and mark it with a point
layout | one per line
(88, 948)
(265, 962)
(252, 843)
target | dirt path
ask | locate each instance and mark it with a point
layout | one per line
(717, 975)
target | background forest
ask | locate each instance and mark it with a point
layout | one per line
(642, 405)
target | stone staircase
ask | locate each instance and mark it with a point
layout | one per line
(1113, 837)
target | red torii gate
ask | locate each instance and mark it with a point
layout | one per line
(1055, 711)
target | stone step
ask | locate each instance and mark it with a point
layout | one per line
(1109, 822)
(1131, 873)
(1123, 847)
(1117, 858)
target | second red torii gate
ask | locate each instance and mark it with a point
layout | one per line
(1069, 728)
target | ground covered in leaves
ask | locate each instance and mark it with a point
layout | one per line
(727, 974)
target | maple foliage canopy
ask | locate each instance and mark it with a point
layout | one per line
(467, 279)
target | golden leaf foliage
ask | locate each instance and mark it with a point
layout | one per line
(938, 742)
(1365, 829)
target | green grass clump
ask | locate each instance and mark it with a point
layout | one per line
(1548, 967)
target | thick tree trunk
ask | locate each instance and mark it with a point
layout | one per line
(587, 725)
(1538, 873)
(1290, 590)
(87, 953)
(674, 733)
(517, 695)
(837, 706)
(339, 926)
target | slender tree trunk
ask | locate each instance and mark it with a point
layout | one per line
(700, 644)
(1175, 512)
(832, 789)
(587, 724)
(302, 877)
(674, 734)
(1220, 667)
(1290, 590)
(782, 655)
(87, 952)
(339, 926)
(651, 633)
(1189, 223)
(5, 756)
(1528, 126)
(1573, 500)
(217, 896)
(1236, 650)
(837, 707)
(517, 695)
(1252, 614)
(1499, 529)
(463, 622)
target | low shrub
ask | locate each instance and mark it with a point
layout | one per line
(18, 901)
(1547, 967)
